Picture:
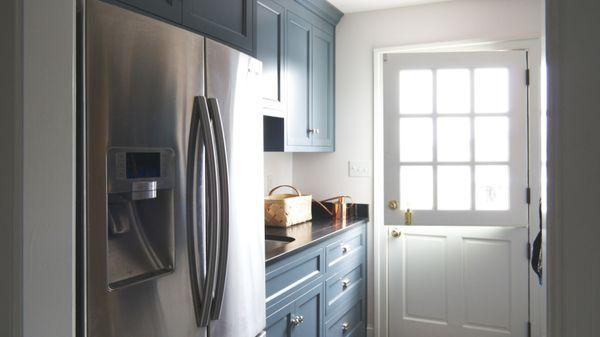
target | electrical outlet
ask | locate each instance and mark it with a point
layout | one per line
(359, 168)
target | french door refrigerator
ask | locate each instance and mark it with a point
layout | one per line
(172, 240)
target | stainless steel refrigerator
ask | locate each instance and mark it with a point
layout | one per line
(172, 236)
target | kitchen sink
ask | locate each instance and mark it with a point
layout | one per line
(277, 241)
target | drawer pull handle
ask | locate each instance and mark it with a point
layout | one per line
(297, 320)
(345, 249)
(345, 327)
(346, 283)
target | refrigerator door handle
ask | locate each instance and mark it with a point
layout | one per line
(196, 279)
(215, 114)
(212, 215)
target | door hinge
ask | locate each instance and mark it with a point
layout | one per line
(528, 195)
(528, 329)
(527, 76)
(528, 251)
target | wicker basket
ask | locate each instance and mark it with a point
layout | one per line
(284, 210)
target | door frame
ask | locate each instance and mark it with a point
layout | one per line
(537, 294)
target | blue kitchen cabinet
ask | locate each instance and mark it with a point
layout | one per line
(167, 9)
(320, 290)
(270, 32)
(229, 21)
(296, 42)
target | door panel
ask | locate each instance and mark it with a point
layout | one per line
(278, 323)
(310, 308)
(458, 281)
(298, 63)
(168, 9)
(322, 89)
(269, 49)
(139, 95)
(455, 129)
(233, 80)
(231, 21)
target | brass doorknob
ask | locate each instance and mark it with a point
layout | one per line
(395, 233)
(393, 204)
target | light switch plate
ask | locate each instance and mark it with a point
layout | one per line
(359, 168)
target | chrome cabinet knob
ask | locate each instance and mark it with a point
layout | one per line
(395, 233)
(346, 283)
(345, 327)
(297, 320)
(345, 249)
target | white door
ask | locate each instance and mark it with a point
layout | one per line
(456, 157)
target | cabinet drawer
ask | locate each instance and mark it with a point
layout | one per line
(349, 324)
(344, 287)
(348, 245)
(286, 276)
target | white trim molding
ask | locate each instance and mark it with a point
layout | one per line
(533, 46)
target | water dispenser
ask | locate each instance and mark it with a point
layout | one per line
(140, 221)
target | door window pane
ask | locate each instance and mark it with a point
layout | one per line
(416, 139)
(453, 91)
(416, 91)
(491, 139)
(454, 187)
(416, 187)
(492, 187)
(453, 139)
(491, 90)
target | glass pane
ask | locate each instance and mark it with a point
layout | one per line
(416, 91)
(453, 139)
(491, 139)
(453, 91)
(491, 90)
(416, 139)
(492, 190)
(454, 188)
(416, 187)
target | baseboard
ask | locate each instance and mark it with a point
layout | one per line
(370, 331)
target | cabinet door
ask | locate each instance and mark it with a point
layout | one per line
(279, 322)
(167, 9)
(298, 62)
(309, 309)
(230, 21)
(322, 90)
(269, 49)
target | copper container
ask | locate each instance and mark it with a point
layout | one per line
(340, 205)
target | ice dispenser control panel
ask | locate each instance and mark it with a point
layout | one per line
(140, 171)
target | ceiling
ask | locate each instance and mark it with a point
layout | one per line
(349, 6)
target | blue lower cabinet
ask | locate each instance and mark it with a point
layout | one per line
(302, 297)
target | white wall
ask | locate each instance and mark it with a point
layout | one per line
(357, 35)
(278, 170)
(573, 167)
(48, 182)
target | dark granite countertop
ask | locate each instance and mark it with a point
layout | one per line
(305, 234)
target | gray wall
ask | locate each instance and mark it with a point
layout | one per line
(573, 58)
(8, 141)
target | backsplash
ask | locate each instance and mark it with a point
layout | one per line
(278, 169)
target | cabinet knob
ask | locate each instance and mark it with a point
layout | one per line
(345, 327)
(297, 320)
(345, 249)
(393, 204)
(346, 283)
(395, 233)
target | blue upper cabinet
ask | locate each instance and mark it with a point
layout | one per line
(298, 81)
(296, 42)
(270, 32)
(166, 9)
(230, 21)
